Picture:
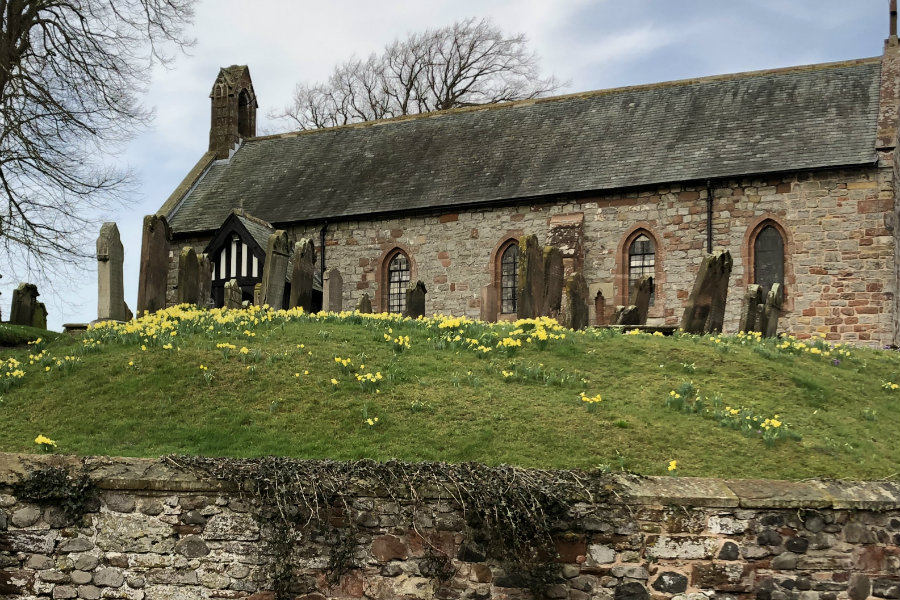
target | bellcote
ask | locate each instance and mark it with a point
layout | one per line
(233, 110)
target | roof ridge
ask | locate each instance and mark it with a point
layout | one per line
(240, 212)
(575, 95)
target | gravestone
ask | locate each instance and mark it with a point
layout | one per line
(599, 309)
(302, 274)
(705, 309)
(627, 315)
(333, 290)
(554, 278)
(640, 298)
(753, 299)
(233, 295)
(774, 301)
(110, 280)
(257, 294)
(530, 283)
(275, 270)
(576, 314)
(364, 305)
(154, 272)
(188, 288)
(489, 303)
(204, 287)
(415, 300)
(39, 318)
(24, 304)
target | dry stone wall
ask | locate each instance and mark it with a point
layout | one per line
(842, 248)
(156, 531)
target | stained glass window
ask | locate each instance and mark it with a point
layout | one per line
(509, 278)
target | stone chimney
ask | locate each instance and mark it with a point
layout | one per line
(889, 102)
(233, 110)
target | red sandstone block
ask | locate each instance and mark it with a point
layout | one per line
(446, 263)
(364, 262)
(783, 188)
(396, 233)
(362, 285)
(817, 271)
(809, 312)
(865, 241)
(874, 287)
(688, 196)
(331, 243)
(443, 254)
(867, 310)
(517, 217)
(448, 218)
(440, 279)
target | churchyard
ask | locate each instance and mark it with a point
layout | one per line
(350, 385)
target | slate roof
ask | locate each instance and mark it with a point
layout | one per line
(784, 120)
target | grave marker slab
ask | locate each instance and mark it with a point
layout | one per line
(188, 290)
(233, 295)
(753, 299)
(364, 305)
(774, 301)
(333, 290)
(577, 315)
(24, 304)
(530, 283)
(154, 264)
(302, 274)
(275, 270)
(554, 279)
(415, 300)
(705, 309)
(204, 287)
(110, 279)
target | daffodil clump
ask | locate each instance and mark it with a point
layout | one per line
(344, 364)
(11, 374)
(590, 401)
(369, 382)
(889, 385)
(687, 399)
(45, 444)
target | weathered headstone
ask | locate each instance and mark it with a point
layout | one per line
(204, 287)
(257, 294)
(749, 315)
(364, 305)
(302, 274)
(599, 309)
(577, 315)
(154, 274)
(415, 300)
(233, 295)
(275, 270)
(489, 303)
(188, 289)
(530, 283)
(705, 309)
(774, 301)
(333, 290)
(640, 297)
(39, 319)
(554, 278)
(627, 315)
(110, 280)
(24, 304)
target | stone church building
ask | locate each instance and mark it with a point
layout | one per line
(794, 170)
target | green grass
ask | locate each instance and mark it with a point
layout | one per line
(446, 399)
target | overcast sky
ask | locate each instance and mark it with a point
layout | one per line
(590, 44)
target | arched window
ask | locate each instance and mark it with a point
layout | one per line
(768, 258)
(509, 278)
(641, 262)
(398, 273)
(245, 127)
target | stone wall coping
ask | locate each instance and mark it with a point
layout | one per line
(160, 475)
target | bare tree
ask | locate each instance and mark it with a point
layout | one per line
(71, 74)
(470, 62)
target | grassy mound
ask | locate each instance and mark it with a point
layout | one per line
(20, 335)
(349, 386)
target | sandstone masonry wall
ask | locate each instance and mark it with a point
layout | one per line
(159, 532)
(839, 229)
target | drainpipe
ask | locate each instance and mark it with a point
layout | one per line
(322, 246)
(709, 210)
